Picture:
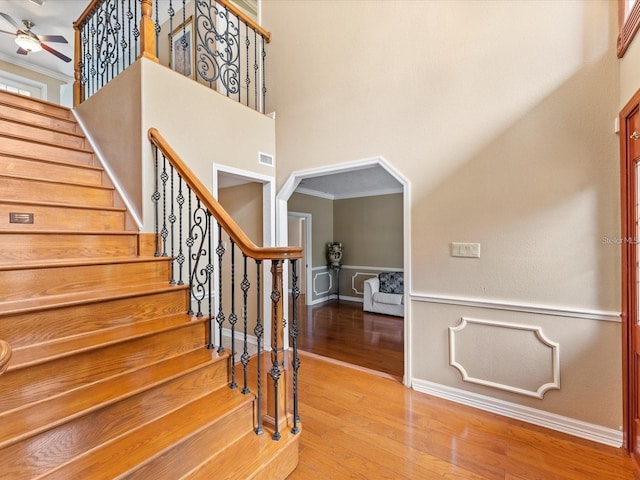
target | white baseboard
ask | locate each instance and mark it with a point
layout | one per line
(578, 428)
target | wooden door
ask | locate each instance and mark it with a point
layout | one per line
(630, 183)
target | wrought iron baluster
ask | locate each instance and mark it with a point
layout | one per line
(293, 333)
(94, 71)
(172, 224)
(180, 258)
(259, 331)
(171, 13)
(156, 200)
(233, 318)
(190, 244)
(247, 44)
(136, 30)
(210, 343)
(157, 26)
(244, 359)
(164, 232)
(275, 362)
(255, 68)
(264, 84)
(199, 233)
(129, 18)
(220, 317)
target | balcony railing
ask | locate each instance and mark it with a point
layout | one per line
(225, 272)
(211, 41)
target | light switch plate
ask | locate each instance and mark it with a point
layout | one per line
(470, 250)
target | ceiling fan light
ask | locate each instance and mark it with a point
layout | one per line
(28, 43)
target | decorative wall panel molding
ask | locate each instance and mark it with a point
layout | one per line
(578, 428)
(512, 357)
(354, 281)
(327, 287)
(556, 311)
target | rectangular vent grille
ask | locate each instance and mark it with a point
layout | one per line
(15, 217)
(265, 159)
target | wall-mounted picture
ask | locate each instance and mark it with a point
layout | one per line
(182, 50)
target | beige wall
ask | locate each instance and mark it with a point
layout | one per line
(370, 229)
(500, 114)
(321, 210)
(244, 204)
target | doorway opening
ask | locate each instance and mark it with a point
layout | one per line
(370, 177)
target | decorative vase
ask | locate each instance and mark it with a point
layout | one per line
(334, 252)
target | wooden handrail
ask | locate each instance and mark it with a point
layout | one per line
(234, 231)
(243, 16)
(5, 355)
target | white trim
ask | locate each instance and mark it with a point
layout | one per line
(381, 269)
(308, 219)
(557, 311)
(108, 170)
(345, 196)
(353, 283)
(351, 299)
(542, 389)
(578, 428)
(313, 283)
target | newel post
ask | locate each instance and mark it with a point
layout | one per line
(78, 91)
(276, 416)
(147, 32)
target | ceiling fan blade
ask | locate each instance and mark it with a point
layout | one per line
(61, 56)
(22, 51)
(10, 33)
(52, 38)
(11, 21)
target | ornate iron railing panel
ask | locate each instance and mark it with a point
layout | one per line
(223, 47)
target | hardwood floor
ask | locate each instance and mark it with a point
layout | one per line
(363, 426)
(342, 331)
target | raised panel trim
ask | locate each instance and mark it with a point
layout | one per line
(571, 426)
(542, 389)
(315, 277)
(556, 311)
(353, 280)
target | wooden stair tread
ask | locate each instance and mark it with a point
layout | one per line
(74, 262)
(47, 160)
(42, 127)
(48, 143)
(68, 232)
(37, 105)
(34, 418)
(44, 352)
(124, 454)
(62, 205)
(57, 182)
(90, 296)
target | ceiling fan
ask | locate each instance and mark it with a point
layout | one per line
(30, 42)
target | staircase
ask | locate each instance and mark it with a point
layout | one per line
(108, 377)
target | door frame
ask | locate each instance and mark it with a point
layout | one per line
(307, 251)
(629, 274)
(292, 183)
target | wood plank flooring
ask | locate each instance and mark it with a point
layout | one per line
(342, 331)
(358, 425)
(361, 425)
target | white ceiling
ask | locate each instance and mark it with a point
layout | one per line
(360, 182)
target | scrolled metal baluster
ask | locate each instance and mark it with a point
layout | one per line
(199, 233)
(259, 331)
(190, 243)
(220, 316)
(233, 318)
(255, 68)
(264, 83)
(244, 359)
(247, 44)
(293, 333)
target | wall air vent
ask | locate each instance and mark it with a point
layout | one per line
(15, 217)
(265, 159)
